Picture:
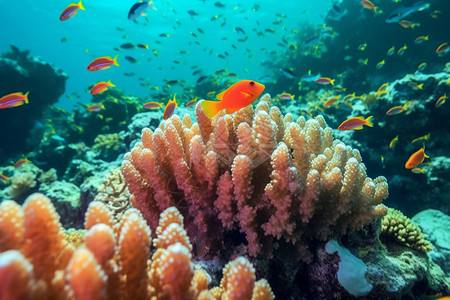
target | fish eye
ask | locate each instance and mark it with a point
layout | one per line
(252, 83)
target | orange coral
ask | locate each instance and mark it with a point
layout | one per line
(110, 264)
(98, 213)
(259, 172)
(11, 226)
(238, 279)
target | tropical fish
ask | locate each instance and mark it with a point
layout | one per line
(438, 104)
(142, 46)
(369, 5)
(422, 67)
(443, 49)
(393, 142)
(103, 63)
(310, 77)
(416, 158)
(401, 50)
(127, 46)
(418, 171)
(101, 87)
(138, 9)
(331, 101)
(380, 64)
(362, 47)
(408, 24)
(286, 96)
(425, 138)
(95, 107)
(421, 39)
(401, 12)
(153, 105)
(325, 80)
(415, 85)
(397, 110)
(382, 161)
(355, 123)
(391, 51)
(131, 59)
(191, 103)
(4, 178)
(71, 11)
(21, 162)
(237, 96)
(382, 89)
(13, 100)
(288, 73)
(170, 108)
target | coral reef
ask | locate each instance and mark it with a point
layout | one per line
(259, 172)
(108, 146)
(435, 225)
(111, 263)
(396, 225)
(20, 72)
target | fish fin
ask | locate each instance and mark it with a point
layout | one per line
(332, 81)
(110, 83)
(151, 5)
(211, 108)
(220, 95)
(369, 121)
(25, 97)
(115, 60)
(80, 5)
(358, 128)
(246, 95)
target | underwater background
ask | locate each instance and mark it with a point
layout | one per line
(330, 183)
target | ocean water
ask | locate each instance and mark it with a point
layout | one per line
(95, 31)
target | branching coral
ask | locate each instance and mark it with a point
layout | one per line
(395, 224)
(36, 261)
(259, 172)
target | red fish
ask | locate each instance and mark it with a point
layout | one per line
(4, 178)
(13, 100)
(355, 123)
(103, 63)
(416, 158)
(438, 104)
(331, 101)
(101, 87)
(443, 49)
(369, 5)
(170, 108)
(237, 96)
(71, 11)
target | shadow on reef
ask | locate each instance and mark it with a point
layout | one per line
(20, 72)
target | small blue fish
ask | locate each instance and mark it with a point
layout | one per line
(138, 9)
(400, 13)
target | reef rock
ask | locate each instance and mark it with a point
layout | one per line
(20, 72)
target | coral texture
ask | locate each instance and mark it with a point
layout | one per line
(259, 172)
(115, 260)
(395, 224)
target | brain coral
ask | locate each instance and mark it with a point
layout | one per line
(257, 172)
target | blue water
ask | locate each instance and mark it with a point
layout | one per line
(36, 27)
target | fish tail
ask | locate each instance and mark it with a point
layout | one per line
(211, 108)
(369, 121)
(375, 9)
(25, 97)
(332, 81)
(80, 5)
(110, 83)
(115, 60)
(151, 5)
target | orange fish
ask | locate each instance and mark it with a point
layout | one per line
(95, 107)
(4, 178)
(102, 63)
(21, 162)
(356, 123)
(170, 108)
(191, 103)
(101, 87)
(71, 11)
(13, 100)
(369, 5)
(153, 105)
(237, 96)
(325, 80)
(416, 159)
(438, 104)
(443, 48)
(331, 101)
(397, 109)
